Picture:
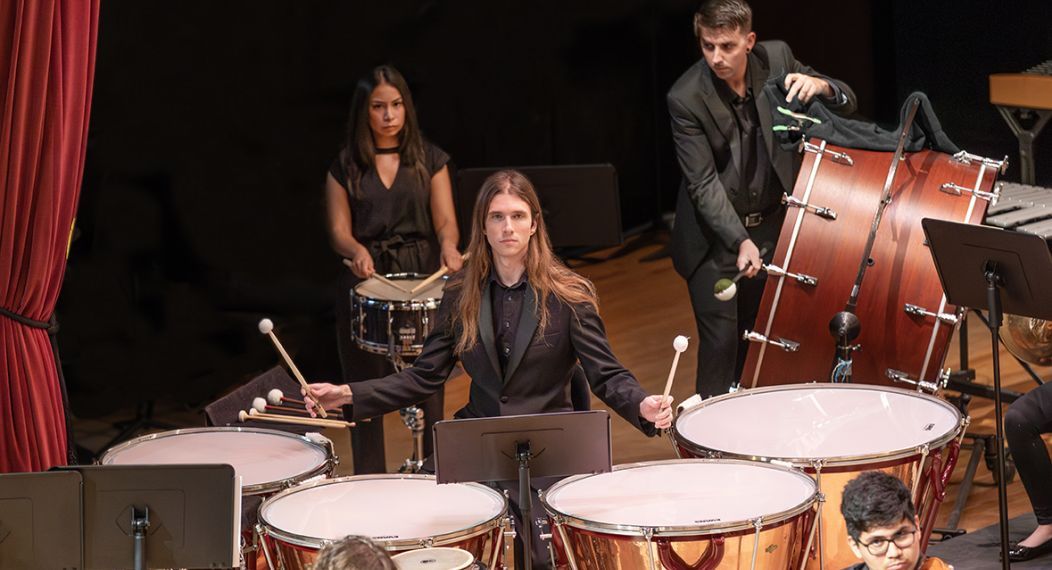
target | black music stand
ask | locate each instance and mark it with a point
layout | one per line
(40, 516)
(160, 516)
(988, 268)
(513, 448)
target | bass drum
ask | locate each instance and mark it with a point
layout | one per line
(906, 322)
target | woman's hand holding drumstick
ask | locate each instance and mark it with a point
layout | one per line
(266, 326)
(437, 275)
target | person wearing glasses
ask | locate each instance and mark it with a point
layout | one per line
(882, 526)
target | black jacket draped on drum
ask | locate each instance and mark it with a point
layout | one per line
(537, 376)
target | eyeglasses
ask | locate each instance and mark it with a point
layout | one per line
(902, 539)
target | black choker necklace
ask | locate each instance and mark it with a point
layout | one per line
(392, 150)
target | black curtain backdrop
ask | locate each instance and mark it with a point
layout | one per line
(213, 124)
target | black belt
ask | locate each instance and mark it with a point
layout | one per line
(753, 219)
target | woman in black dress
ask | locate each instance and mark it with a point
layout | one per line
(390, 210)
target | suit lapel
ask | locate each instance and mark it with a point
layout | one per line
(486, 328)
(759, 70)
(722, 115)
(524, 333)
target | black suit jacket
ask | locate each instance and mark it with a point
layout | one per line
(538, 373)
(707, 144)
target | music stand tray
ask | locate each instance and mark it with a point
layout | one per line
(519, 448)
(484, 449)
(193, 516)
(40, 520)
(982, 267)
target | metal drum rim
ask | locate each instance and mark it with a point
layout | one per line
(827, 462)
(247, 490)
(766, 520)
(452, 537)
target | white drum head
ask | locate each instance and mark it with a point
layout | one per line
(383, 508)
(685, 494)
(259, 456)
(438, 558)
(819, 421)
(376, 289)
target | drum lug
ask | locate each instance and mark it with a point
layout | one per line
(939, 384)
(918, 311)
(835, 156)
(965, 157)
(792, 202)
(807, 280)
(958, 190)
(782, 343)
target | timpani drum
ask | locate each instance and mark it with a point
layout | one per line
(386, 320)
(399, 512)
(683, 514)
(833, 432)
(267, 461)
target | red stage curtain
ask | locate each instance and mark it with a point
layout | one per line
(47, 65)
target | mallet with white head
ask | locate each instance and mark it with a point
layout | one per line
(266, 326)
(680, 345)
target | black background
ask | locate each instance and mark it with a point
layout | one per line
(213, 124)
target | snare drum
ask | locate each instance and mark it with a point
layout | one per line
(386, 320)
(834, 432)
(399, 512)
(681, 514)
(267, 460)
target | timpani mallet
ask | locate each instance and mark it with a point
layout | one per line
(277, 397)
(436, 275)
(680, 344)
(266, 326)
(253, 415)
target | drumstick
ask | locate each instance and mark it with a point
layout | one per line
(436, 275)
(266, 326)
(379, 277)
(262, 405)
(244, 416)
(680, 344)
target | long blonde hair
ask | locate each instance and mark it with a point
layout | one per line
(544, 272)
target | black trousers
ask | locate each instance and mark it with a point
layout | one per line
(1025, 421)
(721, 352)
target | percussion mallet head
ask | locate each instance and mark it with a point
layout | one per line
(266, 326)
(242, 416)
(680, 345)
(274, 396)
(725, 289)
(253, 412)
(259, 404)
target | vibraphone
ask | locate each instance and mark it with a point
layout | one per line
(1023, 208)
(1024, 98)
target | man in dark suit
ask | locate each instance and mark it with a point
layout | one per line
(519, 321)
(734, 174)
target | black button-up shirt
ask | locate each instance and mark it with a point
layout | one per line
(507, 305)
(760, 187)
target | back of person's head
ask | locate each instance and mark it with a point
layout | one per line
(875, 499)
(353, 553)
(723, 14)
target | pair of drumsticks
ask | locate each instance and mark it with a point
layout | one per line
(420, 286)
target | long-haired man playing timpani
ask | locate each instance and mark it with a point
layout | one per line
(519, 320)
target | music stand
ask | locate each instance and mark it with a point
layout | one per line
(977, 265)
(513, 448)
(40, 520)
(160, 516)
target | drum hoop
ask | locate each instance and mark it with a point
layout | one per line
(723, 528)
(827, 462)
(452, 537)
(383, 349)
(387, 304)
(248, 490)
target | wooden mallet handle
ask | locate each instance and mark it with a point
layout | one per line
(436, 275)
(267, 327)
